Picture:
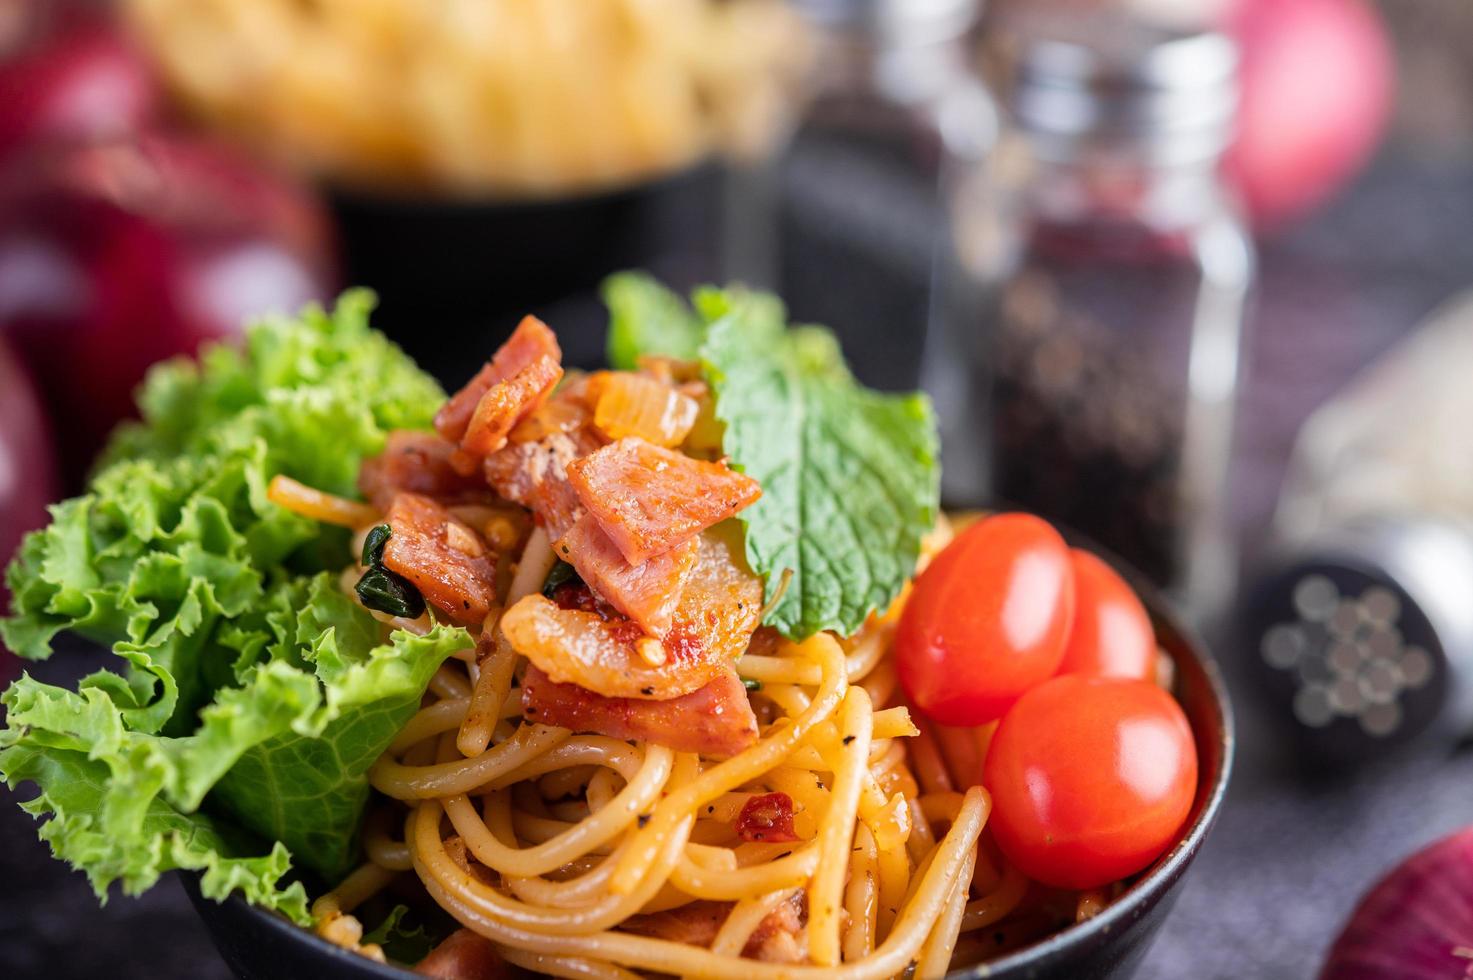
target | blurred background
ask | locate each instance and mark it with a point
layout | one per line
(1186, 275)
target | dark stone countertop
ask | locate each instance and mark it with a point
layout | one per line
(1292, 851)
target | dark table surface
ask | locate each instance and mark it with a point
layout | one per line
(1293, 849)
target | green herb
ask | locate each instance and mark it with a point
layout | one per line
(850, 477)
(647, 318)
(401, 942)
(373, 544)
(382, 589)
(751, 684)
(390, 593)
(562, 573)
(246, 683)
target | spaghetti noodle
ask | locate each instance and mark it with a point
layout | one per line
(838, 838)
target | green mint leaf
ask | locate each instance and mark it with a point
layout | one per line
(850, 476)
(647, 318)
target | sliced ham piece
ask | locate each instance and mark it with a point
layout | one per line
(694, 924)
(444, 557)
(418, 462)
(715, 720)
(649, 499)
(647, 593)
(508, 402)
(464, 955)
(780, 937)
(600, 654)
(535, 475)
(531, 340)
(597, 647)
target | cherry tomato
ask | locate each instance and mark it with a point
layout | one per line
(986, 620)
(1091, 779)
(1111, 635)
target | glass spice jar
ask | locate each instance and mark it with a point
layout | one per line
(852, 206)
(1089, 362)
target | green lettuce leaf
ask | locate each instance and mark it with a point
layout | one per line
(251, 695)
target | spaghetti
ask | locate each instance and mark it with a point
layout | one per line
(833, 835)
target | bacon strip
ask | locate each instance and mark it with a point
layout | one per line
(535, 475)
(531, 340)
(647, 593)
(506, 403)
(599, 653)
(443, 556)
(597, 647)
(777, 938)
(418, 462)
(715, 720)
(648, 499)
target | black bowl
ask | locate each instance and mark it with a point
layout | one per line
(261, 945)
(454, 275)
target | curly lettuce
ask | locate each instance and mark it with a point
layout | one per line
(250, 696)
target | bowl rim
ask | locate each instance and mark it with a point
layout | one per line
(1153, 884)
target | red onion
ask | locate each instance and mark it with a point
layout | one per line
(67, 73)
(27, 469)
(116, 254)
(1317, 85)
(1416, 923)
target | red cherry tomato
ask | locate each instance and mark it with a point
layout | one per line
(986, 620)
(1091, 779)
(1111, 635)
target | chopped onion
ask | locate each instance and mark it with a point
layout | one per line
(1416, 923)
(636, 405)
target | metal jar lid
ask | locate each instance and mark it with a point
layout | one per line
(1362, 636)
(1100, 82)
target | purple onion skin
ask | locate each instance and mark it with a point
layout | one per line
(1416, 923)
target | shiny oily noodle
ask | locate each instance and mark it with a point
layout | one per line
(546, 842)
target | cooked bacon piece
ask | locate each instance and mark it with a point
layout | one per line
(777, 938)
(649, 499)
(721, 603)
(695, 924)
(715, 720)
(535, 475)
(584, 648)
(506, 403)
(599, 649)
(563, 413)
(780, 937)
(767, 818)
(647, 593)
(464, 955)
(531, 339)
(418, 462)
(443, 556)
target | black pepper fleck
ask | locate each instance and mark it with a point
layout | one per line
(848, 739)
